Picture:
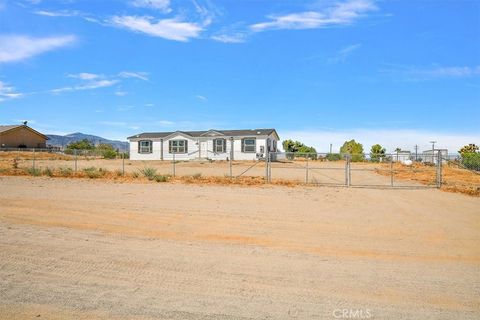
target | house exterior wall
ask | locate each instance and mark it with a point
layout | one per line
(196, 148)
(22, 136)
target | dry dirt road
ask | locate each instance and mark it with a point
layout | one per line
(84, 249)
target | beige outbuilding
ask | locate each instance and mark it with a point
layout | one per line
(21, 136)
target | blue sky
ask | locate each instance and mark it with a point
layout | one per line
(398, 73)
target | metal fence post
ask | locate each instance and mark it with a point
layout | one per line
(439, 169)
(76, 157)
(33, 159)
(230, 166)
(347, 170)
(266, 166)
(174, 164)
(306, 171)
(123, 164)
(231, 156)
(391, 171)
(269, 167)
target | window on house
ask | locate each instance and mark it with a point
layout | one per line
(249, 145)
(178, 146)
(219, 145)
(145, 146)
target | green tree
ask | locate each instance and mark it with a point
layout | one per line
(470, 148)
(107, 151)
(299, 149)
(377, 153)
(470, 156)
(354, 149)
(81, 145)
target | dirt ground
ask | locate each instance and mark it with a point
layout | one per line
(95, 249)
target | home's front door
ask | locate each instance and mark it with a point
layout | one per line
(203, 149)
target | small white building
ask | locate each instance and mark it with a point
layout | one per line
(431, 156)
(212, 144)
(401, 156)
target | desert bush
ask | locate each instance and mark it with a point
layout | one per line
(149, 172)
(65, 172)
(334, 157)
(119, 172)
(471, 161)
(161, 178)
(47, 172)
(109, 154)
(93, 172)
(197, 176)
(15, 163)
(34, 172)
(135, 174)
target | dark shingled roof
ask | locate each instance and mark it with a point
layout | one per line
(197, 134)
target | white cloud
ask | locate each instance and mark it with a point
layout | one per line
(65, 13)
(172, 29)
(8, 92)
(405, 139)
(88, 86)
(434, 72)
(161, 5)
(85, 76)
(121, 93)
(91, 81)
(138, 75)
(344, 53)
(230, 38)
(16, 48)
(344, 13)
(202, 98)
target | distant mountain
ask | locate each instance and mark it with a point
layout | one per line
(63, 141)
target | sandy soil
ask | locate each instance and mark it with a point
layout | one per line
(84, 249)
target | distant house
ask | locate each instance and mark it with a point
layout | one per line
(431, 156)
(212, 144)
(21, 136)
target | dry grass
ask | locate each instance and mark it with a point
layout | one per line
(454, 179)
(99, 173)
(25, 155)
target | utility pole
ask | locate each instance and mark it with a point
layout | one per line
(416, 152)
(330, 148)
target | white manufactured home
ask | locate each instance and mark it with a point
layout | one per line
(212, 144)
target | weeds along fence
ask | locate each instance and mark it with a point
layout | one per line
(328, 169)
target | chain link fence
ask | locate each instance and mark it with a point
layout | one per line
(327, 169)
